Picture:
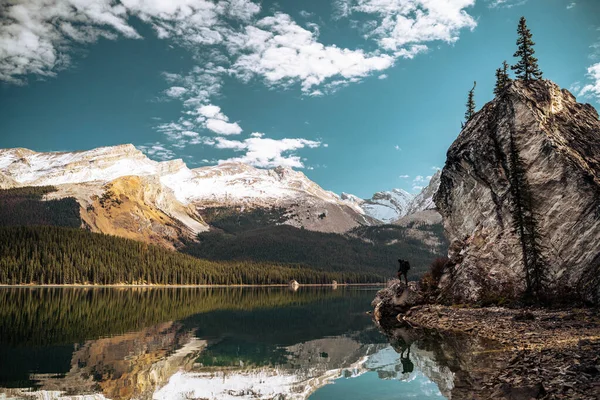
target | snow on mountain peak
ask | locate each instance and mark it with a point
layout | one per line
(230, 182)
(390, 206)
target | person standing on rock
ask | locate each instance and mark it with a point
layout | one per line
(403, 270)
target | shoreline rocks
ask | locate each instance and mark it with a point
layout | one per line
(395, 299)
(544, 354)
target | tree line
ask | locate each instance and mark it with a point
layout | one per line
(55, 255)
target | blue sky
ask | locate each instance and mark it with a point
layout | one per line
(361, 95)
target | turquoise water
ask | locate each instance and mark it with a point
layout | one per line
(370, 386)
(215, 343)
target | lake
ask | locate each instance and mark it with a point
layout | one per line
(212, 343)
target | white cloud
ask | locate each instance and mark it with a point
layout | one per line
(417, 188)
(281, 53)
(382, 76)
(400, 24)
(265, 152)
(38, 36)
(212, 111)
(222, 127)
(419, 179)
(175, 91)
(157, 150)
(305, 14)
(404, 176)
(213, 119)
(592, 89)
(435, 168)
(506, 3)
(571, 5)
(397, 148)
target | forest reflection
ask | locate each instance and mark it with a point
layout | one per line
(44, 316)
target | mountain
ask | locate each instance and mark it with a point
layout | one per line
(424, 200)
(120, 191)
(230, 212)
(520, 198)
(383, 206)
(391, 206)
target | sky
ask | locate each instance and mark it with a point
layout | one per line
(360, 95)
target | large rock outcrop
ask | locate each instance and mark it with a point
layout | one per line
(557, 141)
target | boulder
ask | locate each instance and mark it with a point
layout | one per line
(556, 144)
(395, 299)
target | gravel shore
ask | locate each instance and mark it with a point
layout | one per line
(544, 354)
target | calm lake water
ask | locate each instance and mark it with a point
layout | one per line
(215, 343)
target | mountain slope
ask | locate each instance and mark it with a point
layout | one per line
(391, 206)
(424, 200)
(163, 205)
(388, 206)
(533, 139)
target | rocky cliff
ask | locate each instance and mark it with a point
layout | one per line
(522, 183)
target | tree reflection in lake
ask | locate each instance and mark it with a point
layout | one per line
(225, 343)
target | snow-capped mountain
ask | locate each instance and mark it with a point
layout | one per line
(424, 200)
(229, 182)
(390, 206)
(161, 201)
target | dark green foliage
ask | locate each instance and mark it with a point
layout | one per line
(527, 67)
(50, 316)
(52, 255)
(470, 105)
(526, 226)
(24, 206)
(233, 219)
(502, 79)
(366, 249)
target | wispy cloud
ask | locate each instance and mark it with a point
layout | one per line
(592, 89)
(158, 151)
(399, 26)
(506, 3)
(397, 148)
(404, 176)
(265, 152)
(571, 5)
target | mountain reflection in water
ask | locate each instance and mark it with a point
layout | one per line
(225, 343)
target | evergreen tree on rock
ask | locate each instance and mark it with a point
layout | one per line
(527, 67)
(470, 105)
(502, 78)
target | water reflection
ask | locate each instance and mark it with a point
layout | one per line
(260, 343)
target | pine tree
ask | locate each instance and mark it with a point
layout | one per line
(470, 105)
(499, 83)
(505, 76)
(502, 78)
(526, 226)
(527, 67)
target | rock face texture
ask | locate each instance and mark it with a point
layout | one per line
(558, 143)
(395, 299)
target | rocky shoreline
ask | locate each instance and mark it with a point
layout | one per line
(504, 353)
